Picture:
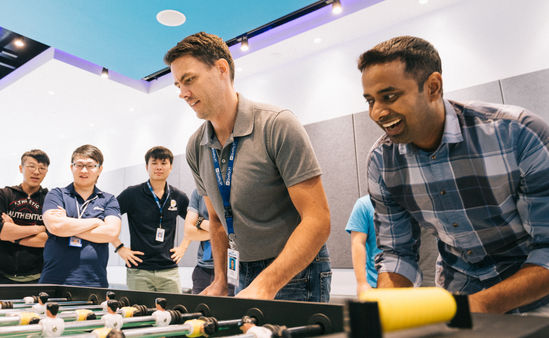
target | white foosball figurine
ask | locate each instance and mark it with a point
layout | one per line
(161, 316)
(112, 319)
(51, 325)
(110, 295)
(40, 307)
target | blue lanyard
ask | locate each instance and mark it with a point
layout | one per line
(225, 187)
(160, 207)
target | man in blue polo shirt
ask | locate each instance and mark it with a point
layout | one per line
(152, 209)
(81, 220)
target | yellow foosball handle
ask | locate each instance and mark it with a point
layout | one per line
(26, 317)
(196, 325)
(128, 311)
(82, 314)
(402, 308)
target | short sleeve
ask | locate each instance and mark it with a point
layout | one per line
(289, 146)
(124, 201)
(112, 208)
(193, 204)
(53, 199)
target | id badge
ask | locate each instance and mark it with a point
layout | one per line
(75, 241)
(160, 235)
(233, 267)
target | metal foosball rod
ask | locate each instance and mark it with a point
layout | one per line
(278, 331)
(40, 306)
(11, 312)
(33, 300)
(22, 318)
(203, 326)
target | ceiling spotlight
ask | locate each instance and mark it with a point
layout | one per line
(244, 44)
(423, 2)
(105, 73)
(336, 7)
(19, 42)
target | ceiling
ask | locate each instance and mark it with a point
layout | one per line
(124, 36)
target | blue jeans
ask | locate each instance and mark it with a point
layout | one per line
(310, 285)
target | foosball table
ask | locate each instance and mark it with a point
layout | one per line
(54, 310)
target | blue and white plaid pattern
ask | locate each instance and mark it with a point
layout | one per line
(484, 190)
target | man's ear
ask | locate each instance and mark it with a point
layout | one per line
(223, 66)
(433, 85)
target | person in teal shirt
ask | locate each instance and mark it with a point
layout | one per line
(363, 243)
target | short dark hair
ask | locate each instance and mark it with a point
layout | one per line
(113, 304)
(111, 295)
(419, 56)
(53, 308)
(207, 48)
(159, 153)
(43, 297)
(39, 155)
(87, 150)
(162, 302)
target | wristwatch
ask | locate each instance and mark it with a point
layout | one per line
(198, 222)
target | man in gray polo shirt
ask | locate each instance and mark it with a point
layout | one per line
(267, 192)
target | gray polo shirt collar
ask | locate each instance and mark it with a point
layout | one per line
(243, 125)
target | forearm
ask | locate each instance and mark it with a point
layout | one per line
(220, 244)
(11, 231)
(299, 251)
(358, 254)
(64, 226)
(106, 232)
(35, 241)
(184, 244)
(192, 233)
(527, 285)
(392, 280)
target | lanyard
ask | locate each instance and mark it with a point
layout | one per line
(225, 187)
(160, 207)
(84, 206)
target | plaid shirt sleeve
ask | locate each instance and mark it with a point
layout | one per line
(533, 194)
(397, 232)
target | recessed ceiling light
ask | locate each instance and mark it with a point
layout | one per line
(19, 42)
(239, 69)
(170, 17)
(51, 92)
(423, 2)
(317, 40)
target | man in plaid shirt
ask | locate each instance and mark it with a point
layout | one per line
(475, 173)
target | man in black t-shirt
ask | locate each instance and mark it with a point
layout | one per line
(22, 232)
(152, 209)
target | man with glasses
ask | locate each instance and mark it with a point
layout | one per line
(81, 220)
(152, 209)
(22, 232)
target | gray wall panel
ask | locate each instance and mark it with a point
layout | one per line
(530, 91)
(113, 183)
(366, 134)
(488, 92)
(333, 142)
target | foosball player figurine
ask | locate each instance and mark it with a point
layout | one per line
(40, 307)
(257, 331)
(161, 316)
(108, 296)
(112, 319)
(51, 325)
(107, 332)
